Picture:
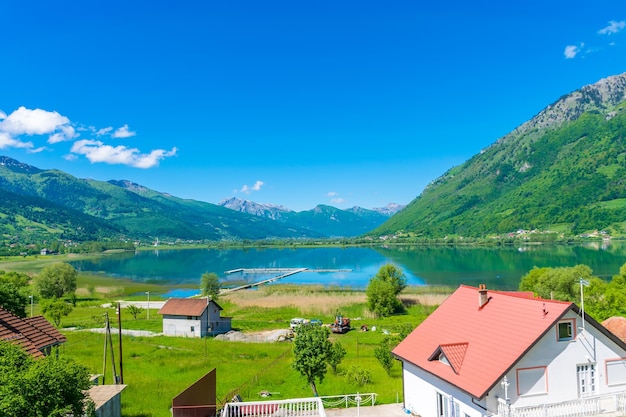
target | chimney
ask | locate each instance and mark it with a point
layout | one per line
(482, 295)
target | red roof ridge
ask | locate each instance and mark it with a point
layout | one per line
(519, 294)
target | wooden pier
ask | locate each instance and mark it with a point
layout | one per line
(283, 272)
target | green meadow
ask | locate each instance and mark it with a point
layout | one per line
(157, 368)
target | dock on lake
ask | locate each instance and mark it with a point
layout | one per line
(283, 272)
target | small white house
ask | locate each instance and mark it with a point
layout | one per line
(193, 317)
(485, 353)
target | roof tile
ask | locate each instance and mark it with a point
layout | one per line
(184, 306)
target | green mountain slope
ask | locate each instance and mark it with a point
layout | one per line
(563, 170)
(133, 210)
(333, 222)
(33, 219)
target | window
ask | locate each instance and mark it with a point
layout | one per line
(616, 372)
(193, 329)
(586, 379)
(442, 405)
(532, 381)
(565, 330)
(446, 406)
(443, 359)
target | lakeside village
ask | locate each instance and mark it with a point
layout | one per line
(479, 353)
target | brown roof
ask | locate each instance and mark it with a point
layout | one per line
(185, 306)
(33, 334)
(617, 326)
(46, 327)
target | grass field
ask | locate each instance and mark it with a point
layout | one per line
(158, 368)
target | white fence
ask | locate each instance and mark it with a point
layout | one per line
(348, 400)
(294, 407)
(589, 406)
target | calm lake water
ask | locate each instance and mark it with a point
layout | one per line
(499, 268)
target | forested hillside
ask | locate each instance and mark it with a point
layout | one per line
(564, 170)
(66, 207)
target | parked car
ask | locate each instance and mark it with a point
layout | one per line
(297, 322)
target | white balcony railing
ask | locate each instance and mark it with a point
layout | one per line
(609, 404)
(295, 407)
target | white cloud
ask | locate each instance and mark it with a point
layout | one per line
(97, 151)
(37, 150)
(103, 131)
(30, 122)
(338, 200)
(40, 122)
(7, 141)
(572, 50)
(256, 187)
(123, 132)
(66, 133)
(332, 194)
(33, 122)
(613, 27)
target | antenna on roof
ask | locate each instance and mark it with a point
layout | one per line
(582, 300)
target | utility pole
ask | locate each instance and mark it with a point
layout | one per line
(119, 327)
(148, 294)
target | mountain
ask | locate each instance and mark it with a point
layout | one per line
(269, 211)
(564, 170)
(390, 209)
(123, 207)
(327, 220)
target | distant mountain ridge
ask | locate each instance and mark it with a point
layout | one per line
(51, 204)
(561, 171)
(269, 211)
(130, 209)
(328, 220)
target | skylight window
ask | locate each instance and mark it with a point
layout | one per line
(565, 330)
(443, 359)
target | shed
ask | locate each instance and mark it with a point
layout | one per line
(193, 317)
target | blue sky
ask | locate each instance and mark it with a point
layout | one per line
(293, 103)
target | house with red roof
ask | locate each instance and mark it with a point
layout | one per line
(485, 352)
(193, 317)
(34, 334)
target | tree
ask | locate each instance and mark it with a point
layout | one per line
(210, 285)
(48, 386)
(335, 356)
(134, 310)
(383, 289)
(556, 283)
(56, 309)
(311, 349)
(13, 292)
(56, 280)
(382, 352)
(601, 299)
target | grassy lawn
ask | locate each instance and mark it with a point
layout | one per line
(158, 368)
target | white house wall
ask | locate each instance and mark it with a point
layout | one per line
(182, 326)
(420, 394)
(560, 359)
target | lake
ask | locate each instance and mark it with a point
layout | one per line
(498, 268)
